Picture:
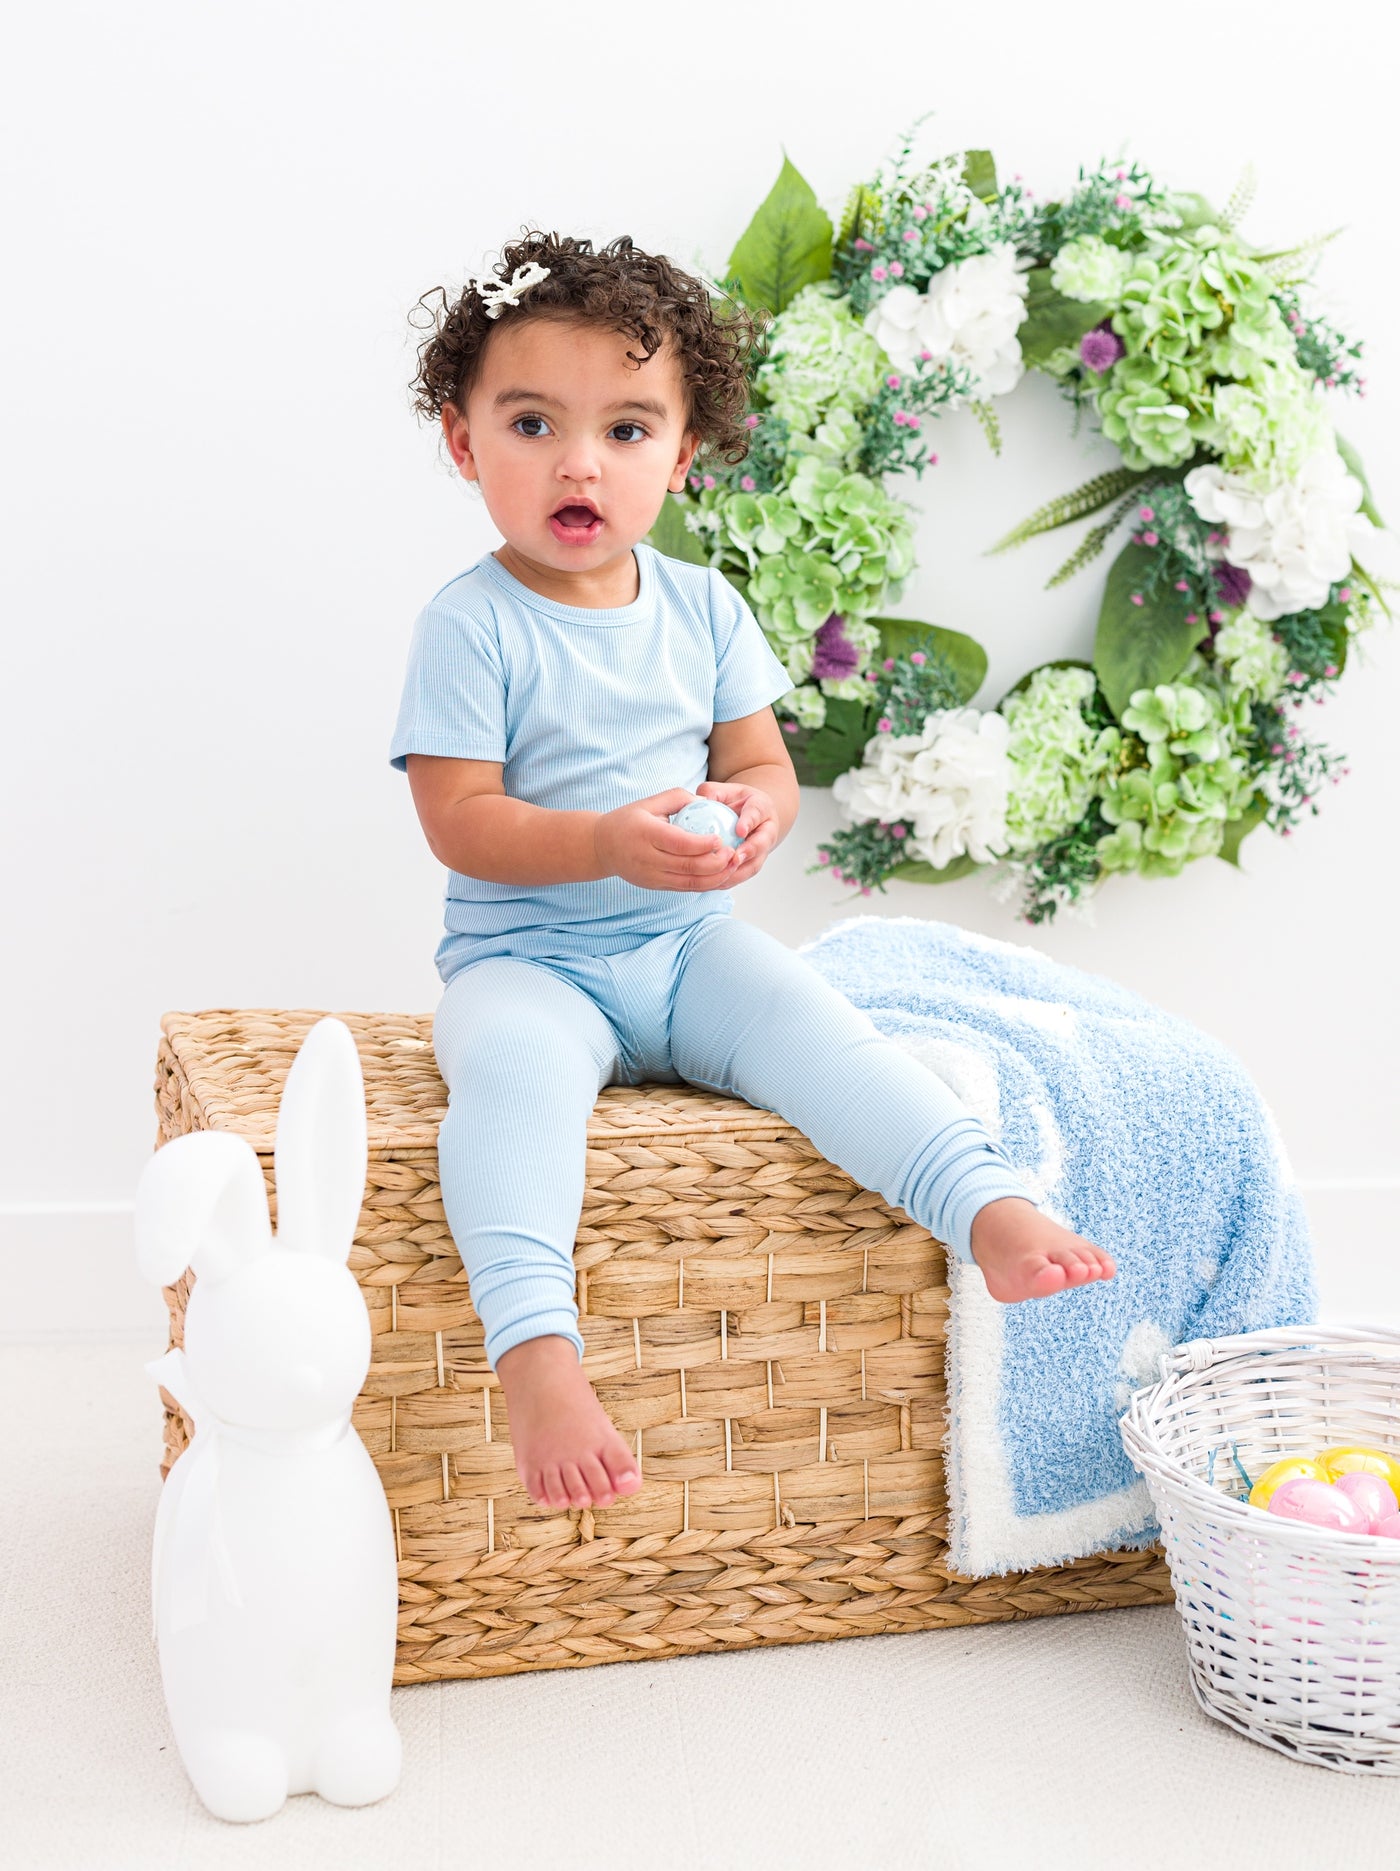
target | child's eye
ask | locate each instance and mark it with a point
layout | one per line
(638, 432)
(530, 433)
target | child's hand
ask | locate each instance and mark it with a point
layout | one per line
(639, 844)
(758, 827)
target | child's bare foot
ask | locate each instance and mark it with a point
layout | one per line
(567, 1451)
(1025, 1255)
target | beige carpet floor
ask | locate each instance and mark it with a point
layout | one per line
(1061, 1742)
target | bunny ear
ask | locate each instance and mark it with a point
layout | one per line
(322, 1144)
(200, 1203)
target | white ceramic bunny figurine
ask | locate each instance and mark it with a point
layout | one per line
(273, 1581)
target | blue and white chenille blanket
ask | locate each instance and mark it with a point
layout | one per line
(1138, 1131)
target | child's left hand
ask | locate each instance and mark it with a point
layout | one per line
(758, 827)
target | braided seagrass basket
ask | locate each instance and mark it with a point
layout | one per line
(1293, 1631)
(768, 1335)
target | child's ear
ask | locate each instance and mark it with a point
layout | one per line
(454, 428)
(689, 443)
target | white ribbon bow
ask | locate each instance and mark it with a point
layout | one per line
(498, 292)
(189, 1533)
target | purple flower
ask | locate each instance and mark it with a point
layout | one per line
(1100, 348)
(1233, 583)
(833, 655)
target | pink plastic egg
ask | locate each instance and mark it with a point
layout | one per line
(1389, 1528)
(1374, 1497)
(1320, 1505)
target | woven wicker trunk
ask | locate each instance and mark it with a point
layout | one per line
(768, 1336)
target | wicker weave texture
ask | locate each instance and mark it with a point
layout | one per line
(768, 1335)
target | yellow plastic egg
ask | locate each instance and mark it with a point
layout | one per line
(1291, 1468)
(1352, 1458)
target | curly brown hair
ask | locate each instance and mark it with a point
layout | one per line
(642, 295)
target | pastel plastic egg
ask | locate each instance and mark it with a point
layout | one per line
(1373, 1496)
(1291, 1468)
(1388, 1529)
(1319, 1504)
(709, 818)
(1351, 1458)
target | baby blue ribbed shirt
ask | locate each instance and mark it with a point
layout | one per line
(586, 710)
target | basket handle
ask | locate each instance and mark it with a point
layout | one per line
(1198, 1354)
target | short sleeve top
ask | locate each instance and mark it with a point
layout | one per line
(586, 710)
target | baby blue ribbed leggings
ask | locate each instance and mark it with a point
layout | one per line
(525, 1046)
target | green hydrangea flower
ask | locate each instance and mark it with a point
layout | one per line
(1253, 659)
(838, 437)
(1143, 409)
(806, 705)
(1089, 269)
(1175, 807)
(818, 355)
(1057, 760)
(1269, 425)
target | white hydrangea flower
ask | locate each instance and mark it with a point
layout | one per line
(1295, 538)
(948, 783)
(969, 314)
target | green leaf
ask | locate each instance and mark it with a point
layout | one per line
(1137, 646)
(1053, 320)
(986, 414)
(914, 872)
(819, 754)
(670, 534)
(786, 246)
(1353, 466)
(1237, 830)
(980, 173)
(1076, 505)
(964, 655)
(1093, 543)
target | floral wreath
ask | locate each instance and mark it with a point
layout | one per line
(1233, 601)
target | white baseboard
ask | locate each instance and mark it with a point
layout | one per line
(68, 1270)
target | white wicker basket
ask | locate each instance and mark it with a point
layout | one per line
(1293, 1631)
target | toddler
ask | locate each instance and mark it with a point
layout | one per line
(564, 695)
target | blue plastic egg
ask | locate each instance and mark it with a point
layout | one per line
(709, 818)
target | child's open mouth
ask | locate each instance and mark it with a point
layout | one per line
(575, 524)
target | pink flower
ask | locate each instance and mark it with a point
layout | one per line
(912, 421)
(751, 422)
(1146, 513)
(933, 461)
(709, 480)
(790, 727)
(1182, 585)
(888, 663)
(1192, 618)
(823, 857)
(896, 269)
(1217, 617)
(1344, 595)
(1120, 175)
(920, 213)
(748, 483)
(893, 382)
(1137, 597)
(898, 418)
(899, 831)
(862, 245)
(1149, 539)
(1330, 670)
(884, 724)
(878, 272)
(909, 234)
(871, 676)
(918, 658)
(1122, 201)
(865, 890)
(924, 356)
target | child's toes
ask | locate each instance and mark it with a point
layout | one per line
(595, 1476)
(575, 1487)
(1049, 1278)
(622, 1472)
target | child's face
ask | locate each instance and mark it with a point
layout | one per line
(574, 447)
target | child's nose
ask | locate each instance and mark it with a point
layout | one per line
(579, 462)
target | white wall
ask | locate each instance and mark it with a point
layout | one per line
(225, 517)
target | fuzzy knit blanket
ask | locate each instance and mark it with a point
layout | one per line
(1138, 1131)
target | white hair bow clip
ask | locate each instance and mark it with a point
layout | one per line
(498, 292)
